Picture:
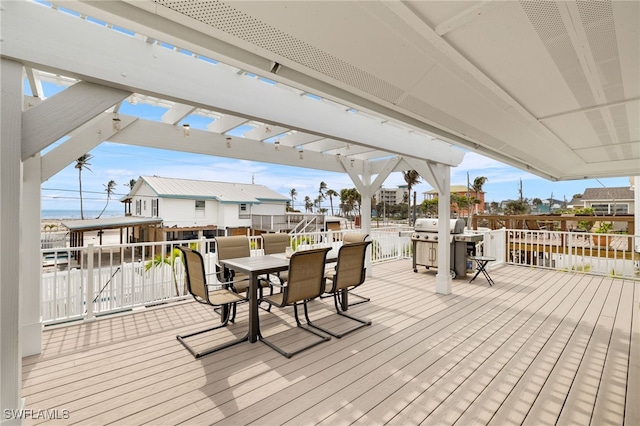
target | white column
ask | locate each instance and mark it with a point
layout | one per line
(10, 134)
(636, 211)
(30, 264)
(365, 211)
(443, 279)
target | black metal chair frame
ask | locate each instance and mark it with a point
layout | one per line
(204, 296)
(342, 280)
(308, 279)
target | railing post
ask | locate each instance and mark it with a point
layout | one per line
(90, 296)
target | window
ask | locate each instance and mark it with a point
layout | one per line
(199, 205)
(138, 204)
(154, 208)
(243, 211)
(609, 208)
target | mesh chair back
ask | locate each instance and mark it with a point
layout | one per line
(306, 275)
(354, 237)
(350, 271)
(275, 243)
(195, 275)
(232, 247)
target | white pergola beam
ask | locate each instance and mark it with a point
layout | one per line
(84, 140)
(155, 70)
(57, 116)
(165, 136)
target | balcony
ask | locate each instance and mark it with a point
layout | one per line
(539, 347)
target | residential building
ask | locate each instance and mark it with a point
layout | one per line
(192, 208)
(391, 196)
(460, 191)
(616, 200)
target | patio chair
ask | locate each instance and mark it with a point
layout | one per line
(276, 243)
(218, 298)
(350, 273)
(230, 248)
(305, 283)
(350, 238)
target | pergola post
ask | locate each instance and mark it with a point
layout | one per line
(11, 136)
(30, 259)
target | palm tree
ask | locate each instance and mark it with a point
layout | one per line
(82, 163)
(478, 183)
(293, 193)
(321, 191)
(308, 204)
(131, 184)
(109, 187)
(331, 193)
(170, 259)
(412, 178)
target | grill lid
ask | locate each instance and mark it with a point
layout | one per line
(456, 226)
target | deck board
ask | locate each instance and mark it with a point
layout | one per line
(539, 347)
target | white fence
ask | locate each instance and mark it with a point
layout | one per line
(97, 280)
(579, 252)
(90, 281)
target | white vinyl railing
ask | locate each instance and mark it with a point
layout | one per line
(86, 282)
(580, 252)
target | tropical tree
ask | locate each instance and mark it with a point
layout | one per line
(308, 204)
(110, 188)
(131, 184)
(170, 259)
(82, 163)
(321, 193)
(331, 193)
(430, 207)
(412, 178)
(478, 183)
(292, 194)
(516, 207)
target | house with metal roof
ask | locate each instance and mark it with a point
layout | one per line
(191, 208)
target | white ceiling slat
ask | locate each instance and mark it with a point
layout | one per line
(57, 116)
(265, 131)
(298, 138)
(34, 83)
(226, 123)
(177, 113)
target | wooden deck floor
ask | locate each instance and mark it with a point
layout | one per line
(539, 347)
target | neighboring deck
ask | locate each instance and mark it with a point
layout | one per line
(540, 347)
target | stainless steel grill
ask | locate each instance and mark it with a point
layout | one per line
(425, 245)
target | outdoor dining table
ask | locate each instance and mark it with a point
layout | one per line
(255, 266)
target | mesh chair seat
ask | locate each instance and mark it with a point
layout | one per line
(350, 238)
(306, 275)
(350, 273)
(219, 298)
(275, 243)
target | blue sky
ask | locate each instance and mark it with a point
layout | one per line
(121, 163)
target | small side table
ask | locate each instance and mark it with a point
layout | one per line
(482, 262)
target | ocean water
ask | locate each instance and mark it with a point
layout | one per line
(75, 214)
